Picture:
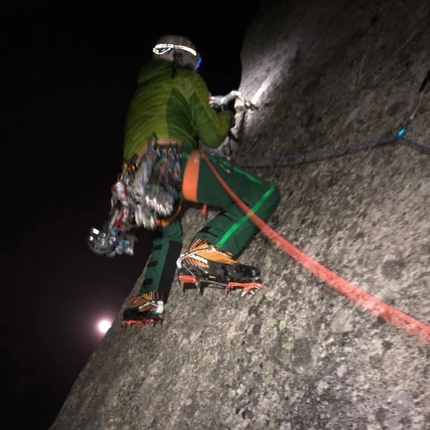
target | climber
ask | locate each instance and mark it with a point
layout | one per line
(169, 114)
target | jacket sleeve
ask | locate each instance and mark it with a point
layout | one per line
(212, 127)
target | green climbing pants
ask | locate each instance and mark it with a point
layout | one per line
(231, 229)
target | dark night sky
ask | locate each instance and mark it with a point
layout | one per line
(67, 75)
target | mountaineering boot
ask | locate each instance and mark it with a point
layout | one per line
(205, 263)
(148, 308)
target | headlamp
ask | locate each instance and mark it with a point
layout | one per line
(162, 48)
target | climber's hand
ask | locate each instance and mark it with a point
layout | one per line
(216, 102)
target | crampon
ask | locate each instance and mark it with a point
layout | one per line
(200, 282)
(147, 308)
(142, 321)
(204, 264)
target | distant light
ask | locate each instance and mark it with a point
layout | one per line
(104, 326)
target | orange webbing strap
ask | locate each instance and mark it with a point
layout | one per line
(191, 177)
(166, 221)
(365, 300)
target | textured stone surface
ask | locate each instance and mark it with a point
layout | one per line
(298, 355)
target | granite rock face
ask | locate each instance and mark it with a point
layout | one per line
(299, 355)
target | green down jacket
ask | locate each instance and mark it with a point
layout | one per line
(176, 108)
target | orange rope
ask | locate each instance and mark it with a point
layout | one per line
(365, 300)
